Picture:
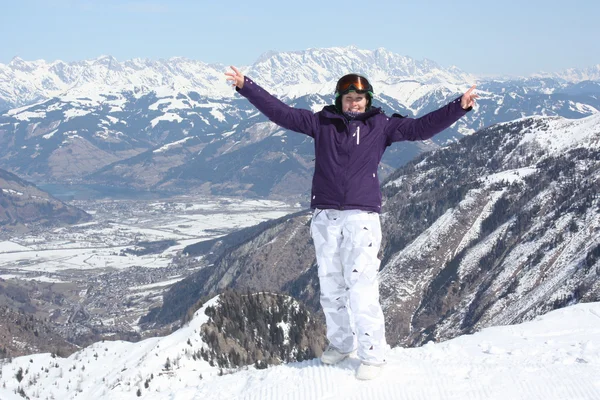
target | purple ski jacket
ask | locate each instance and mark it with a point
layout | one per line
(347, 153)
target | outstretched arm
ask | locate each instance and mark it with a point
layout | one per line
(295, 119)
(427, 126)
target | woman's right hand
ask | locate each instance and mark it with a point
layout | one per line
(236, 77)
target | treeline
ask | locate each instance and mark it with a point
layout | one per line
(34, 335)
(260, 329)
(145, 248)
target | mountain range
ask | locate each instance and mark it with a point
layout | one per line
(174, 125)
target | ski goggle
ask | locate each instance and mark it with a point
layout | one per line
(353, 82)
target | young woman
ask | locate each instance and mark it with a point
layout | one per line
(350, 139)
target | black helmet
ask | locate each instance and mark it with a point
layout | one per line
(353, 82)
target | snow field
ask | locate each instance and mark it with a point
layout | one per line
(555, 357)
(98, 244)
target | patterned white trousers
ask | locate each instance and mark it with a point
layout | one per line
(346, 245)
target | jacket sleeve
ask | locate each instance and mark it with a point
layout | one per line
(295, 119)
(425, 127)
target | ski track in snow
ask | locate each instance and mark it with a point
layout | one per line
(406, 377)
(499, 363)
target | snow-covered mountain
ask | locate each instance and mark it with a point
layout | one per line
(286, 74)
(495, 229)
(295, 74)
(499, 228)
(289, 74)
(26, 82)
(175, 124)
(47, 140)
(576, 75)
(555, 357)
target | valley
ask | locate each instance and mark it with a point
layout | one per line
(94, 280)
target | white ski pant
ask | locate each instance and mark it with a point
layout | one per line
(346, 246)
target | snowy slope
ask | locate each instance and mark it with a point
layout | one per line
(493, 230)
(555, 357)
(561, 135)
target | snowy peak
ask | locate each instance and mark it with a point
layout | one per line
(558, 135)
(542, 137)
(23, 82)
(119, 110)
(574, 75)
(314, 68)
(286, 73)
(578, 75)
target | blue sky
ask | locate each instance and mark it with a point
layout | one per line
(488, 37)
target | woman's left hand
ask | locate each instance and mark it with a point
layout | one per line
(236, 77)
(468, 99)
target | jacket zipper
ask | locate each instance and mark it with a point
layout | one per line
(345, 181)
(342, 206)
(346, 169)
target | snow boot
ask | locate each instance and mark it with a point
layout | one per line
(333, 356)
(367, 372)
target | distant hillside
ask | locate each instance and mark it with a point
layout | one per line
(21, 334)
(24, 207)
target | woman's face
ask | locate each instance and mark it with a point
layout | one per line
(354, 102)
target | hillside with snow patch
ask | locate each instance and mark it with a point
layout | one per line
(554, 357)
